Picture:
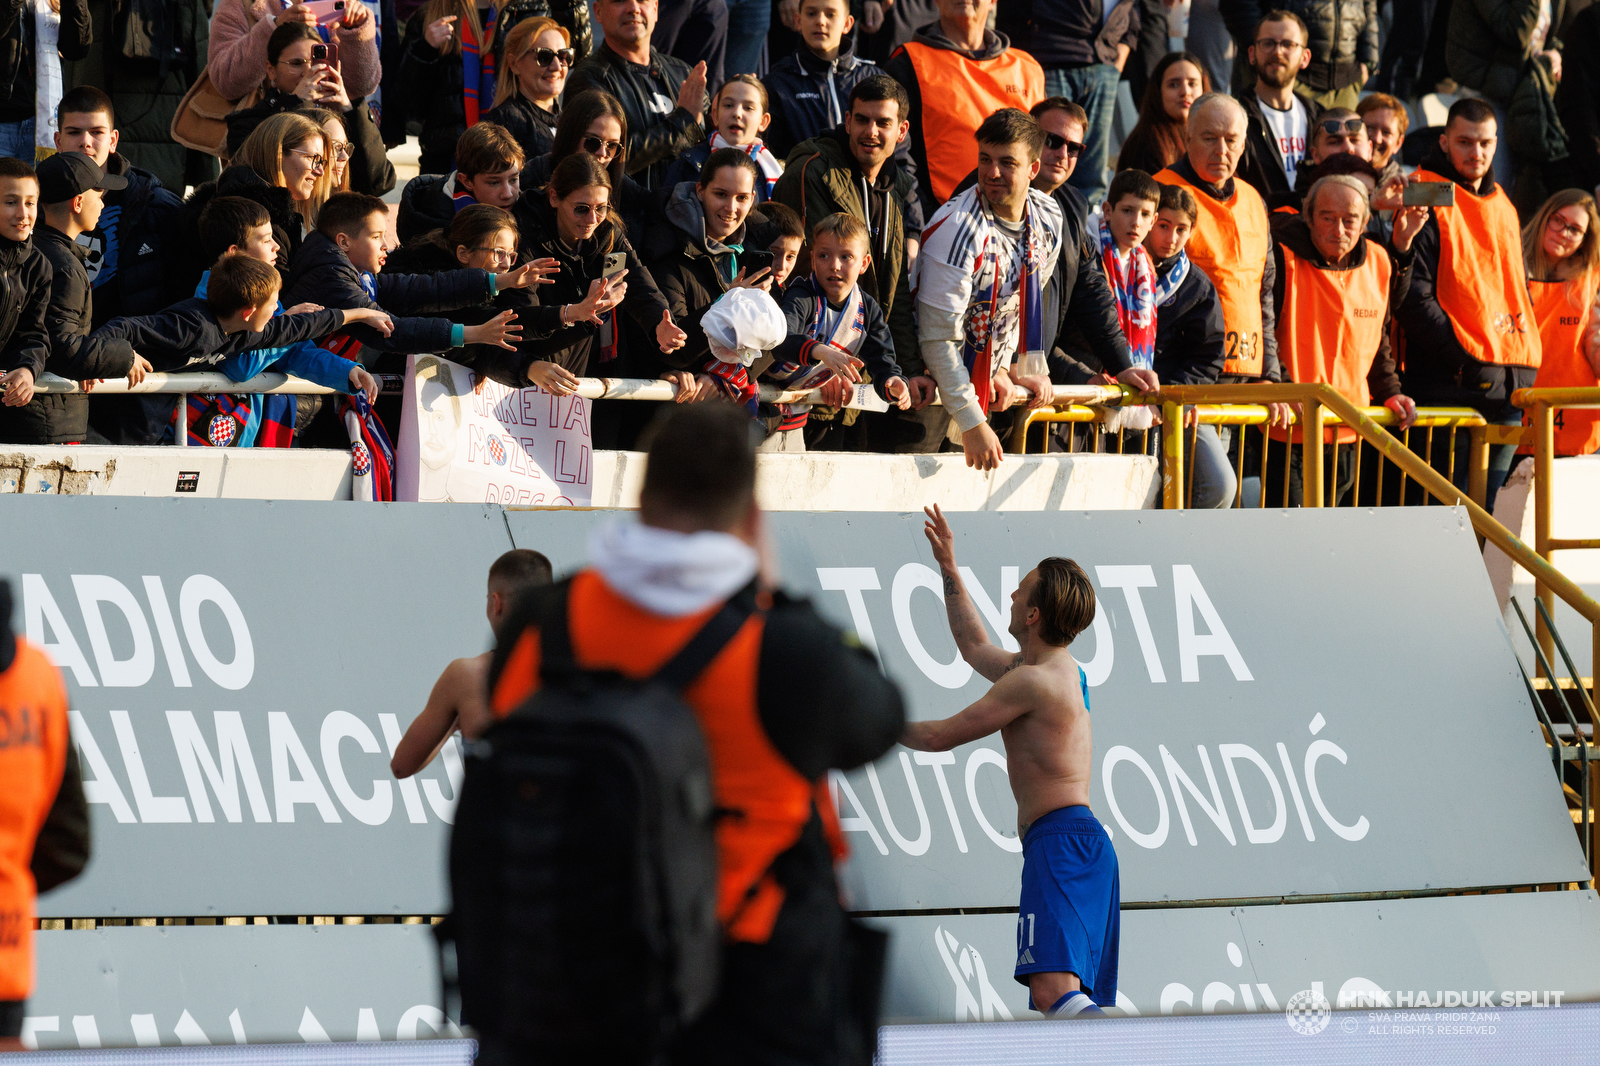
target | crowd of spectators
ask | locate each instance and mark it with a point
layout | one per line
(933, 194)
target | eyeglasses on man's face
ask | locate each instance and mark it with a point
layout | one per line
(1267, 44)
(1055, 142)
(1334, 126)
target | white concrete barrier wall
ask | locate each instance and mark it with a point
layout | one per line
(838, 481)
(212, 473)
(1577, 514)
(820, 481)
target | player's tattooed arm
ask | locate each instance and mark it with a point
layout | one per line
(966, 625)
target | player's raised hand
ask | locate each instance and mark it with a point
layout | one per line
(943, 541)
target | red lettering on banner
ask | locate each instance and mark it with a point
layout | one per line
(578, 414)
(528, 396)
(533, 464)
(476, 444)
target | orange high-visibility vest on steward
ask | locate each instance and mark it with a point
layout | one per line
(1562, 310)
(769, 800)
(1481, 283)
(1231, 242)
(33, 755)
(1331, 326)
(957, 95)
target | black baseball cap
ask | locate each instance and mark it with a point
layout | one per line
(68, 174)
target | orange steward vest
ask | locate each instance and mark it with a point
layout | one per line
(957, 95)
(33, 754)
(1231, 242)
(1562, 311)
(1331, 326)
(770, 800)
(1481, 283)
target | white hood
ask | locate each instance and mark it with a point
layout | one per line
(670, 573)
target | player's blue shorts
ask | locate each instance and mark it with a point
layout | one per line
(1070, 919)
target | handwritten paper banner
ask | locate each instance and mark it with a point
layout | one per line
(466, 439)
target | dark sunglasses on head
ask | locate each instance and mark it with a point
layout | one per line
(1054, 142)
(594, 146)
(1335, 126)
(545, 56)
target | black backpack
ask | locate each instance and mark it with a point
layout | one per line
(583, 868)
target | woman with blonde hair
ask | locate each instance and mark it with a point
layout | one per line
(528, 85)
(1561, 247)
(447, 74)
(279, 166)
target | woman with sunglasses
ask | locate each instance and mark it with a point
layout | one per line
(1561, 246)
(527, 92)
(278, 166)
(570, 220)
(594, 124)
(1156, 140)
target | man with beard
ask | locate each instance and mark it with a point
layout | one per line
(988, 256)
(853, 170)
(1280, 119)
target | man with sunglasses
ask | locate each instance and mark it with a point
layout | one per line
(665, 101)
(1280, 119)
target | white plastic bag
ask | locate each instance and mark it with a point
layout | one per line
(742, 324)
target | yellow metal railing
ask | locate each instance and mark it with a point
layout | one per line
(1317, 407)
(1541, 406)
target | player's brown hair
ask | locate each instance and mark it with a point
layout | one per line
(1065, 599)
(519, 570)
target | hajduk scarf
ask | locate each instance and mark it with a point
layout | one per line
(477, 66)
(1133, 285)
(846, 333)
(771, 168)
(977, 350)
(1168, 285)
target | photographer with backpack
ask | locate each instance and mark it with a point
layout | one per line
(652, 806)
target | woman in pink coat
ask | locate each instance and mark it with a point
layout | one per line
(239, 32)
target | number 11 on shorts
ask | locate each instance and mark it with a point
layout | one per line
(1021, 918)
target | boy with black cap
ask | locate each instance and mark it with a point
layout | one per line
(70, 194)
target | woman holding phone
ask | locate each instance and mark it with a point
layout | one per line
(594, 123)
(240, 30)
(1561, 246)
(299, 77)
(570, 220)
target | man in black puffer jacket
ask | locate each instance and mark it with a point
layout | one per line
(70, 191)
(132, 258)
(665, 101)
